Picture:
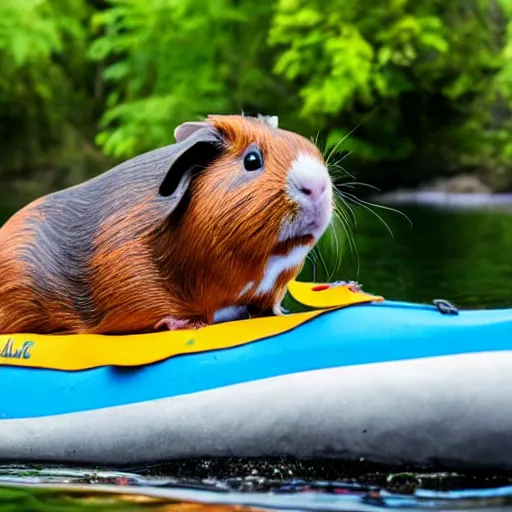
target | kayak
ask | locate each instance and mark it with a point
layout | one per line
(352, 377)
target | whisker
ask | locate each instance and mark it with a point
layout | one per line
(394, 210)
(347, 154)
(349, 214)
(339, 142)
(339, 168)
(337, 163)
(345, 215)
(363, 204)
(351, 241)
(360, 183)
(388, 208)
(313, 265)
(337, 255)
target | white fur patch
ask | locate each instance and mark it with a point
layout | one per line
(246, 288)
(230, 314)
(278, 264)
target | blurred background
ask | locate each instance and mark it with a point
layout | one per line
(423, 87)
(419, 92)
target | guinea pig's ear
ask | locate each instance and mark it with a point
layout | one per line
(185, 130)
(197, 151)
(273, 121)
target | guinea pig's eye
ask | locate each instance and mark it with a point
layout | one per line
(253, 160)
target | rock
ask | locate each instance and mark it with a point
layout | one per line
(466, 184)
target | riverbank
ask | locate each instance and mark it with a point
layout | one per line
(459, 192)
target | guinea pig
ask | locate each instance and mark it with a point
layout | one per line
(180, 237)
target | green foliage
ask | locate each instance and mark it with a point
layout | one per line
(413, 87)
(411, 74)
(176, 60)
(42, 58)
(503, 89)
(39, 34)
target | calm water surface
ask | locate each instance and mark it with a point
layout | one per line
(461, 256)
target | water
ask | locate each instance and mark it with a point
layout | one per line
(76, 489)
(460, 255)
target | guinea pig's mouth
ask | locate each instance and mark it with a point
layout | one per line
(306, 225)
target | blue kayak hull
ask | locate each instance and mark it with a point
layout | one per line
(390, 382)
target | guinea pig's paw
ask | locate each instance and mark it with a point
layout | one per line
(172, 323)
(353, 286)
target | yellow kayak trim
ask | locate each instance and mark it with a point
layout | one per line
(328, 295)
(86, 351)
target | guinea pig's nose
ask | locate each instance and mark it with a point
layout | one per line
(313, 190)
(308, 179)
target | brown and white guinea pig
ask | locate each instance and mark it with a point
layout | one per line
(183, 236)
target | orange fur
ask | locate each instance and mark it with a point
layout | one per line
(142, 270)
(17, 306)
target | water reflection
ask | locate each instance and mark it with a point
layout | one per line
(68, 489)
